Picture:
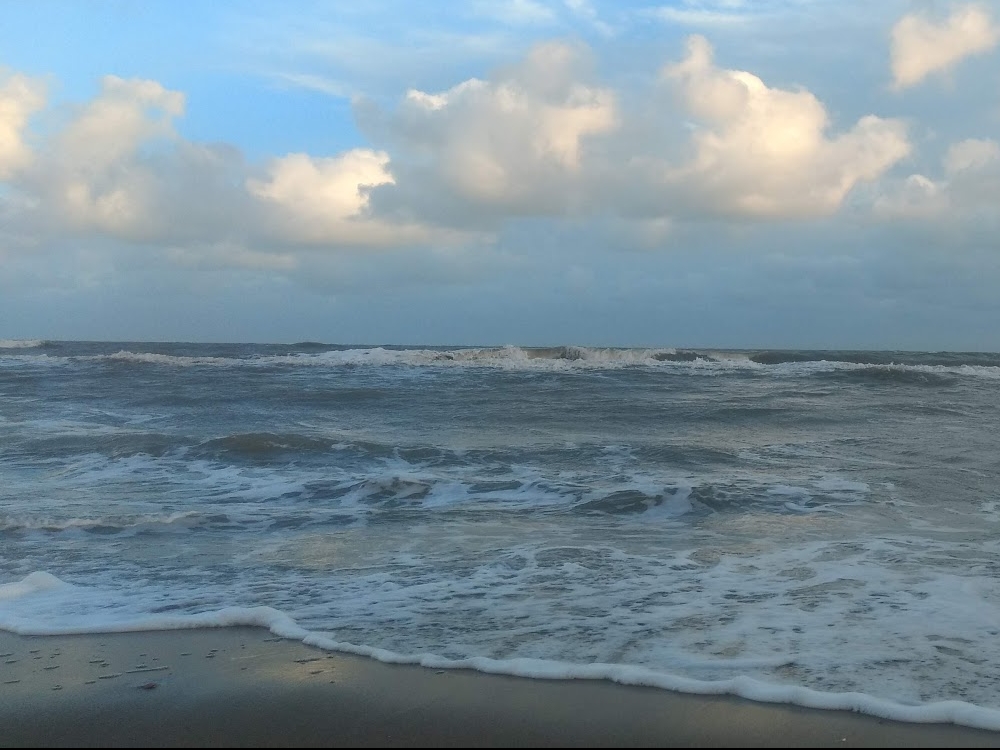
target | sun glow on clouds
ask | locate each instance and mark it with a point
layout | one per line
(764, 151)
(327, 202)
(318, 196)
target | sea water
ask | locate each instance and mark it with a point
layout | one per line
(810, 527)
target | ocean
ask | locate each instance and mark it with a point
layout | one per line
(808, 527)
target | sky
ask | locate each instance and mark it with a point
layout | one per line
(819, 174)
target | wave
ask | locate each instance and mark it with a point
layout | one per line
(505, 358)
(84, 441)
(111, 525)
(883, 358)
(258, 445)
(900, 367)
(153, 358)
(630, 502)
(901, 375)
(891, 373)
(22, 343)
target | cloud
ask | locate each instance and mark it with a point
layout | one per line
(117, 167)
(91, 174)
(326, 200)
(20, 98)
(542, 138)
(921, 45)
(971, 155)
(969, 186)
(322, 194)
(765, 152)
(313, 82)
(511, 145)
(584, 10)
(914, 196)
(702, 14)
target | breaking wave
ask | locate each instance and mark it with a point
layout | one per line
(920, 368)
(21, 343)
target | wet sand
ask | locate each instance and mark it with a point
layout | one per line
(242, 687)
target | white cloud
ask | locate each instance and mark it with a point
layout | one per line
(325, 189)
(540, 138)
(326, 201)
(921, 45)
(20, 98)
(515, 143)
(110, 127)
(969, 185)
(765, 152)
(118, 168)
(92, 176)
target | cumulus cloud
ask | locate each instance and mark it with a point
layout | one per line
(512, 144)
(118, 167)
(323, 193)
(969, 184)
(319, 200)
(921, 45)
(20, 98)
(539, 138)
(115, 166)
(92, 173)
(765, 152)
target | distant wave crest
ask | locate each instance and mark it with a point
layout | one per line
(162, 359)
(917, 368)
(21, 343)
(553, 358)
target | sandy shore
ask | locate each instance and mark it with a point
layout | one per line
(243, 687)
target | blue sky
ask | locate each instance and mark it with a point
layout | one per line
(779, 173)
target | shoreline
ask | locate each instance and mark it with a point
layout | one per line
(244, 687)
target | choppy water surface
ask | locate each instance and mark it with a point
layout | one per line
(812, 527)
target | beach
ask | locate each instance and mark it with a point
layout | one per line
(242, 687)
